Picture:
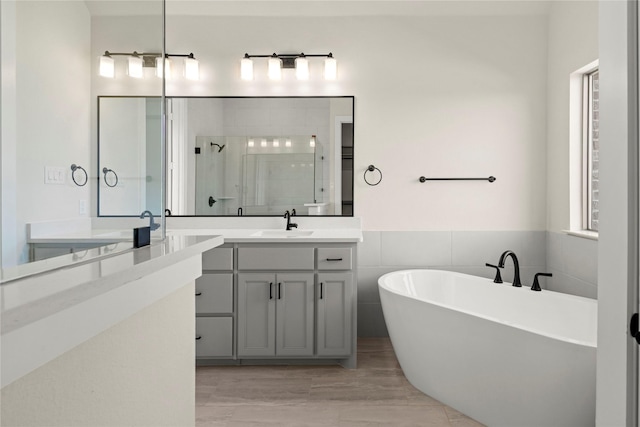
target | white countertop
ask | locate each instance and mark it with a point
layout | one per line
(230, 235)
(252, 235)
(47, 314)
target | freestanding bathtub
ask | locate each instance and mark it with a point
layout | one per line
(502, 355)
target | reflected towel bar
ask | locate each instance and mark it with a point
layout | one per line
(490, 179)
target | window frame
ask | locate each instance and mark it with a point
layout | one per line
(587, 148)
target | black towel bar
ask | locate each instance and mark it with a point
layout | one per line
(490, 179)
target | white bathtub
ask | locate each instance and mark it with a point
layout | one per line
(502, 355)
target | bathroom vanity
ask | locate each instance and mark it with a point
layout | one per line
(278, 302)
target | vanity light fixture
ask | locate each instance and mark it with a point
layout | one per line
(135, 66)
(302, 67)
(263, 143)
(312, 141)
(279, 61)
(275, 67)
(287, 143)
(163, 67)
(138, 61)
(250, 143)
(107, 66)
(276, 143)
(246, 68)
(330, 68)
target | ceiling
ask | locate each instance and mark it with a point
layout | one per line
(318, 8)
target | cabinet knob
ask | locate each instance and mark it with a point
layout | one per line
(198, 337)
(321, 290)
(198, 294)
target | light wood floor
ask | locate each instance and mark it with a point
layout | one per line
(375, 394)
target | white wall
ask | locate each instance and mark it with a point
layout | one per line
(49, 123)
(436, 96)
(573, 43)
(8, 132)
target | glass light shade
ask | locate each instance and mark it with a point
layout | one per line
(275, 68)
(276, 143)
(135, 67)
(330, 68)
(160, 69)
(191, 69)
(302, 68)
(312, 141)
(246, 69)
(263, 143)
(287, 143)
(107, 67)
(250, 143)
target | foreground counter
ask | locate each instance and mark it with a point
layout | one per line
(107, 342)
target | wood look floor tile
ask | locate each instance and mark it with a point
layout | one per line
(397, 416)
(375, 394)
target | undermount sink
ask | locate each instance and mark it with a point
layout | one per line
(283, 233)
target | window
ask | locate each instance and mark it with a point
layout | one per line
(591, 150)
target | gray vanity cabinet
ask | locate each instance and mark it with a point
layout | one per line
(275, 314)
(276, 302)
(333, 305)
(214, 305)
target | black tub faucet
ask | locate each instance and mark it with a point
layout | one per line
(290, 224)
(498, 278)
(516, 266)
(536, 284)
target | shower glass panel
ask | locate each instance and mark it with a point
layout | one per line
(277, 173)
(218, 179)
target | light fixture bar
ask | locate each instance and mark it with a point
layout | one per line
(297, 61)
(137, 61)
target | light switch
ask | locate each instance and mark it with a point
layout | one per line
(54, 175)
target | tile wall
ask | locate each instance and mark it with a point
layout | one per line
(572, 260)
(574, 264)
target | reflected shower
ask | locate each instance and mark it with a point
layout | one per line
(220, 147)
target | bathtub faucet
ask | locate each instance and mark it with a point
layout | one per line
(516, 266)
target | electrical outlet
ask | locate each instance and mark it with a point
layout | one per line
(82, 207)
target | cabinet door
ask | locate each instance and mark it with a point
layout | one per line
(294, 314)
(334, 304)
(214, 293)
(256, 314)
(214, 336)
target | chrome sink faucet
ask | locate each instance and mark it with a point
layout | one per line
(516, 266)
(152, 224)
(290, 224)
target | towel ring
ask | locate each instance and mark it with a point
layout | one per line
(74, 168)
(105, 171)
(372, 168)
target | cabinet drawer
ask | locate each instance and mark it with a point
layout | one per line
(214, 293)
(275, 258)
(334, 259)
(214, 336)
(218, 259)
